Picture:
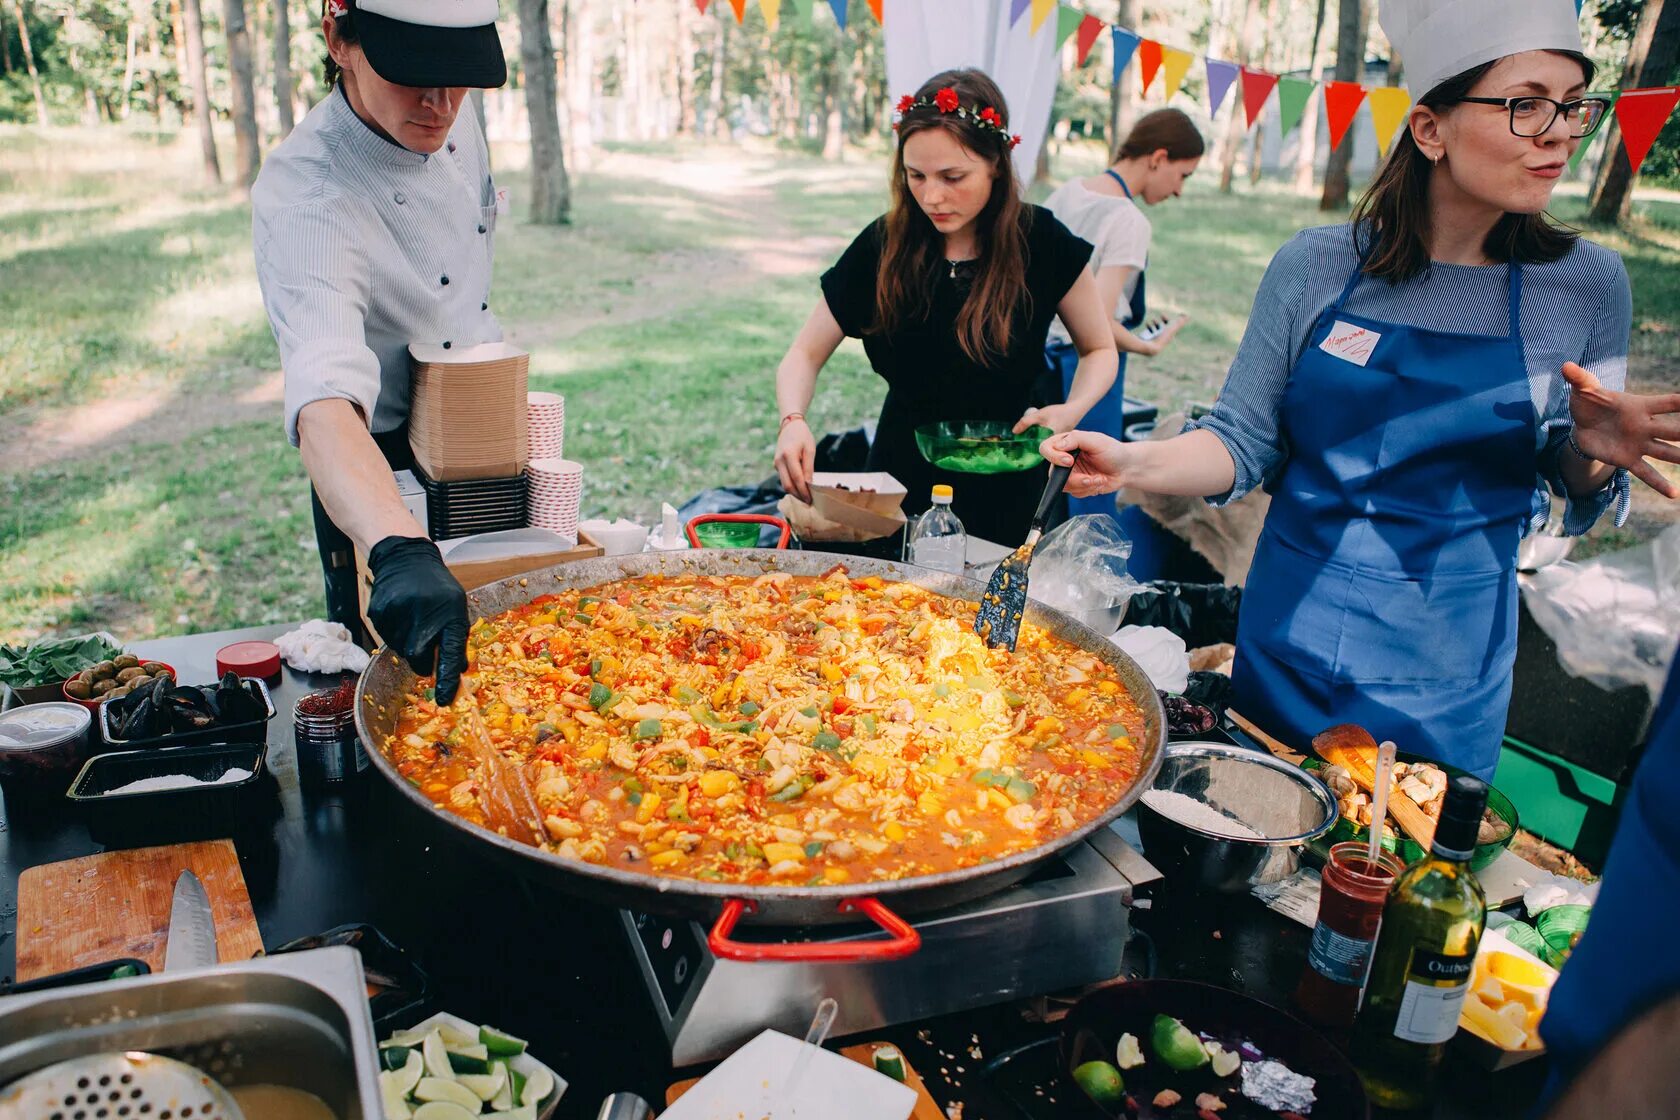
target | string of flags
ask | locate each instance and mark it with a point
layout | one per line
(1641, 113)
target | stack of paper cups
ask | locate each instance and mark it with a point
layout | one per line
(556, 488)
(547, 421)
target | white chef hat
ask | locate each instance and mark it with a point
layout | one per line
(1440, 39)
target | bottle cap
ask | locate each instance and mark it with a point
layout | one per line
(942, 493)
(1461, 817)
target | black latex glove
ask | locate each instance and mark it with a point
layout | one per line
(419, 609)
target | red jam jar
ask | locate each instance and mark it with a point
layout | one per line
(1350, 907)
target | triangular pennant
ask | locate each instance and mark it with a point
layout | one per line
(772, 10)
(1581, 149)
(1220, 77)
(702, 5)
(1040, 11)
(875, 9)
(1067, 22)
(1389, 106)
(1257, 86)
(1016, 9)
(740, 7)
(1292, 102)
(1642, 114)
(1089, 28)
(839, 7)
(1341, 104)
(1177, 64)
(1125, 46)
(1149, 63)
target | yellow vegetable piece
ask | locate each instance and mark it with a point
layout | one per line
(716, 783)
(928, 803)
(778, 853)
(1107, 688)
(836, 875)
(893, 831)
(1079, 699)
(999, 799)
(831, 672)
(1485, 1021)
(666, 859)
(648, 807)
(945, 765)
(1049, 725)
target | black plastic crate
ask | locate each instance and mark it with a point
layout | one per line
(205, 806)
(252, 731)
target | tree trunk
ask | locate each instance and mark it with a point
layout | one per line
(720, 110)
(22, 16)
(1234, 130)
(283, 114)
(688, 108)
(128, 65)
(834, 102)
(1652, 57)
(1257, 153)
(247, 145)
(1119, 91)
(551, 191)
(5, 51)
(193, 18)
(1306, 160)
(1350, 56)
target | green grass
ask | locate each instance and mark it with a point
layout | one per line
(661, 314)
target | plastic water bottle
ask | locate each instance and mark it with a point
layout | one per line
(937, 539)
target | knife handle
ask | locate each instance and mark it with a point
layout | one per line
(1053, 488)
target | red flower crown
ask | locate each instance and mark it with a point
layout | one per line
(986, 119)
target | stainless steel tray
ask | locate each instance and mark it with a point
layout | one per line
(299, 1020)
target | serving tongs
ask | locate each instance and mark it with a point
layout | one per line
(509, 805)
(998, 621)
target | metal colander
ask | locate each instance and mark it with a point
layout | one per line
(120, 1086)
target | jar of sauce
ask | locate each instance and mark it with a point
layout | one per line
(1350, 906)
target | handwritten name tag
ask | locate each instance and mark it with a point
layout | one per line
(1350, 343)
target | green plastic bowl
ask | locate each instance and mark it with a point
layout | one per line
(1409, 850)
(980, 446)
(728, 534)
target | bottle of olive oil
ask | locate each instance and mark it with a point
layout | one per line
(1420, 969)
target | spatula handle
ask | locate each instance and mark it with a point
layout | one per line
(1053, 488)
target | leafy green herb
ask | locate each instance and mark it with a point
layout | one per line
(53, 660)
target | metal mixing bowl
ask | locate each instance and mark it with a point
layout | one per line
(1283, 803)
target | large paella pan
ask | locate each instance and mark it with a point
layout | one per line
(788, 737)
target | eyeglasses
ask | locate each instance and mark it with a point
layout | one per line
(1534, 116)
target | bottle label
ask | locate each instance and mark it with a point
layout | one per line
(1436, 985)
(1336, 956)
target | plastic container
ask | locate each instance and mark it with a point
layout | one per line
(38, 741)
(937, 539)
(99, 788)
(93, 703)
(252, 731)
(328, 749)
(249, 659)
(1409, 850)
(980, 446)
(1350, 906)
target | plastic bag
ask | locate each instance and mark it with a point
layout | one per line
(1080, 567)
(1159, 653)
(1203, 614)
(1613, 618)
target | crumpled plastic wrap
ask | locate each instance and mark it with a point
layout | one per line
(1615, 619)
(1161, 654)
(319, 646)
(1080, 566)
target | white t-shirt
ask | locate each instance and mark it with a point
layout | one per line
(1115, 227)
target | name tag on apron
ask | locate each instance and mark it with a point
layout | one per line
(1350, 343)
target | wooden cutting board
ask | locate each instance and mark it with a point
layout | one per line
(864, 1055)
(116, 904)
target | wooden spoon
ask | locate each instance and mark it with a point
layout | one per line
(1353, 749)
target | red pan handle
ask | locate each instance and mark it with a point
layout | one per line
(740, 518)
(904, 940)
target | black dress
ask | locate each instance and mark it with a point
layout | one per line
(930, 379)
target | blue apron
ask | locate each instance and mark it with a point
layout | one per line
(1108, 414)
(1383, 590)
(1626, 963)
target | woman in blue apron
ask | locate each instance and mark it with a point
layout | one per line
(1162, 150)
(1411, 390)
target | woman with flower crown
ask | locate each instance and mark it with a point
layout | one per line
(952, 292)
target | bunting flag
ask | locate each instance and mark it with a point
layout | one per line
(702, 5)
(1389, 107)
(1581, 149)
(1341, 104)
(1125, 46)
(1293, 94)
(1220, 77)
(1067, 22)
(1642, 114)
(740, 7)
(1149, 62)
(839, 8)
(1257, 85)
(1089, 28)
(1040, 11)
(875, 9)
(772, 10)
(1016, 7)
(1177, 64)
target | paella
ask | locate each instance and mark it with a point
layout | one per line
(778, 728)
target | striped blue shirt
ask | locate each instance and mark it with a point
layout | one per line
(364, 247)
(1578, 308)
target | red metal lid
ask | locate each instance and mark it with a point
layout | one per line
(249, 659)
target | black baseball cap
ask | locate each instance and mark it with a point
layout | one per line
(432, 42)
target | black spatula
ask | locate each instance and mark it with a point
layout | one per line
(998, 621)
